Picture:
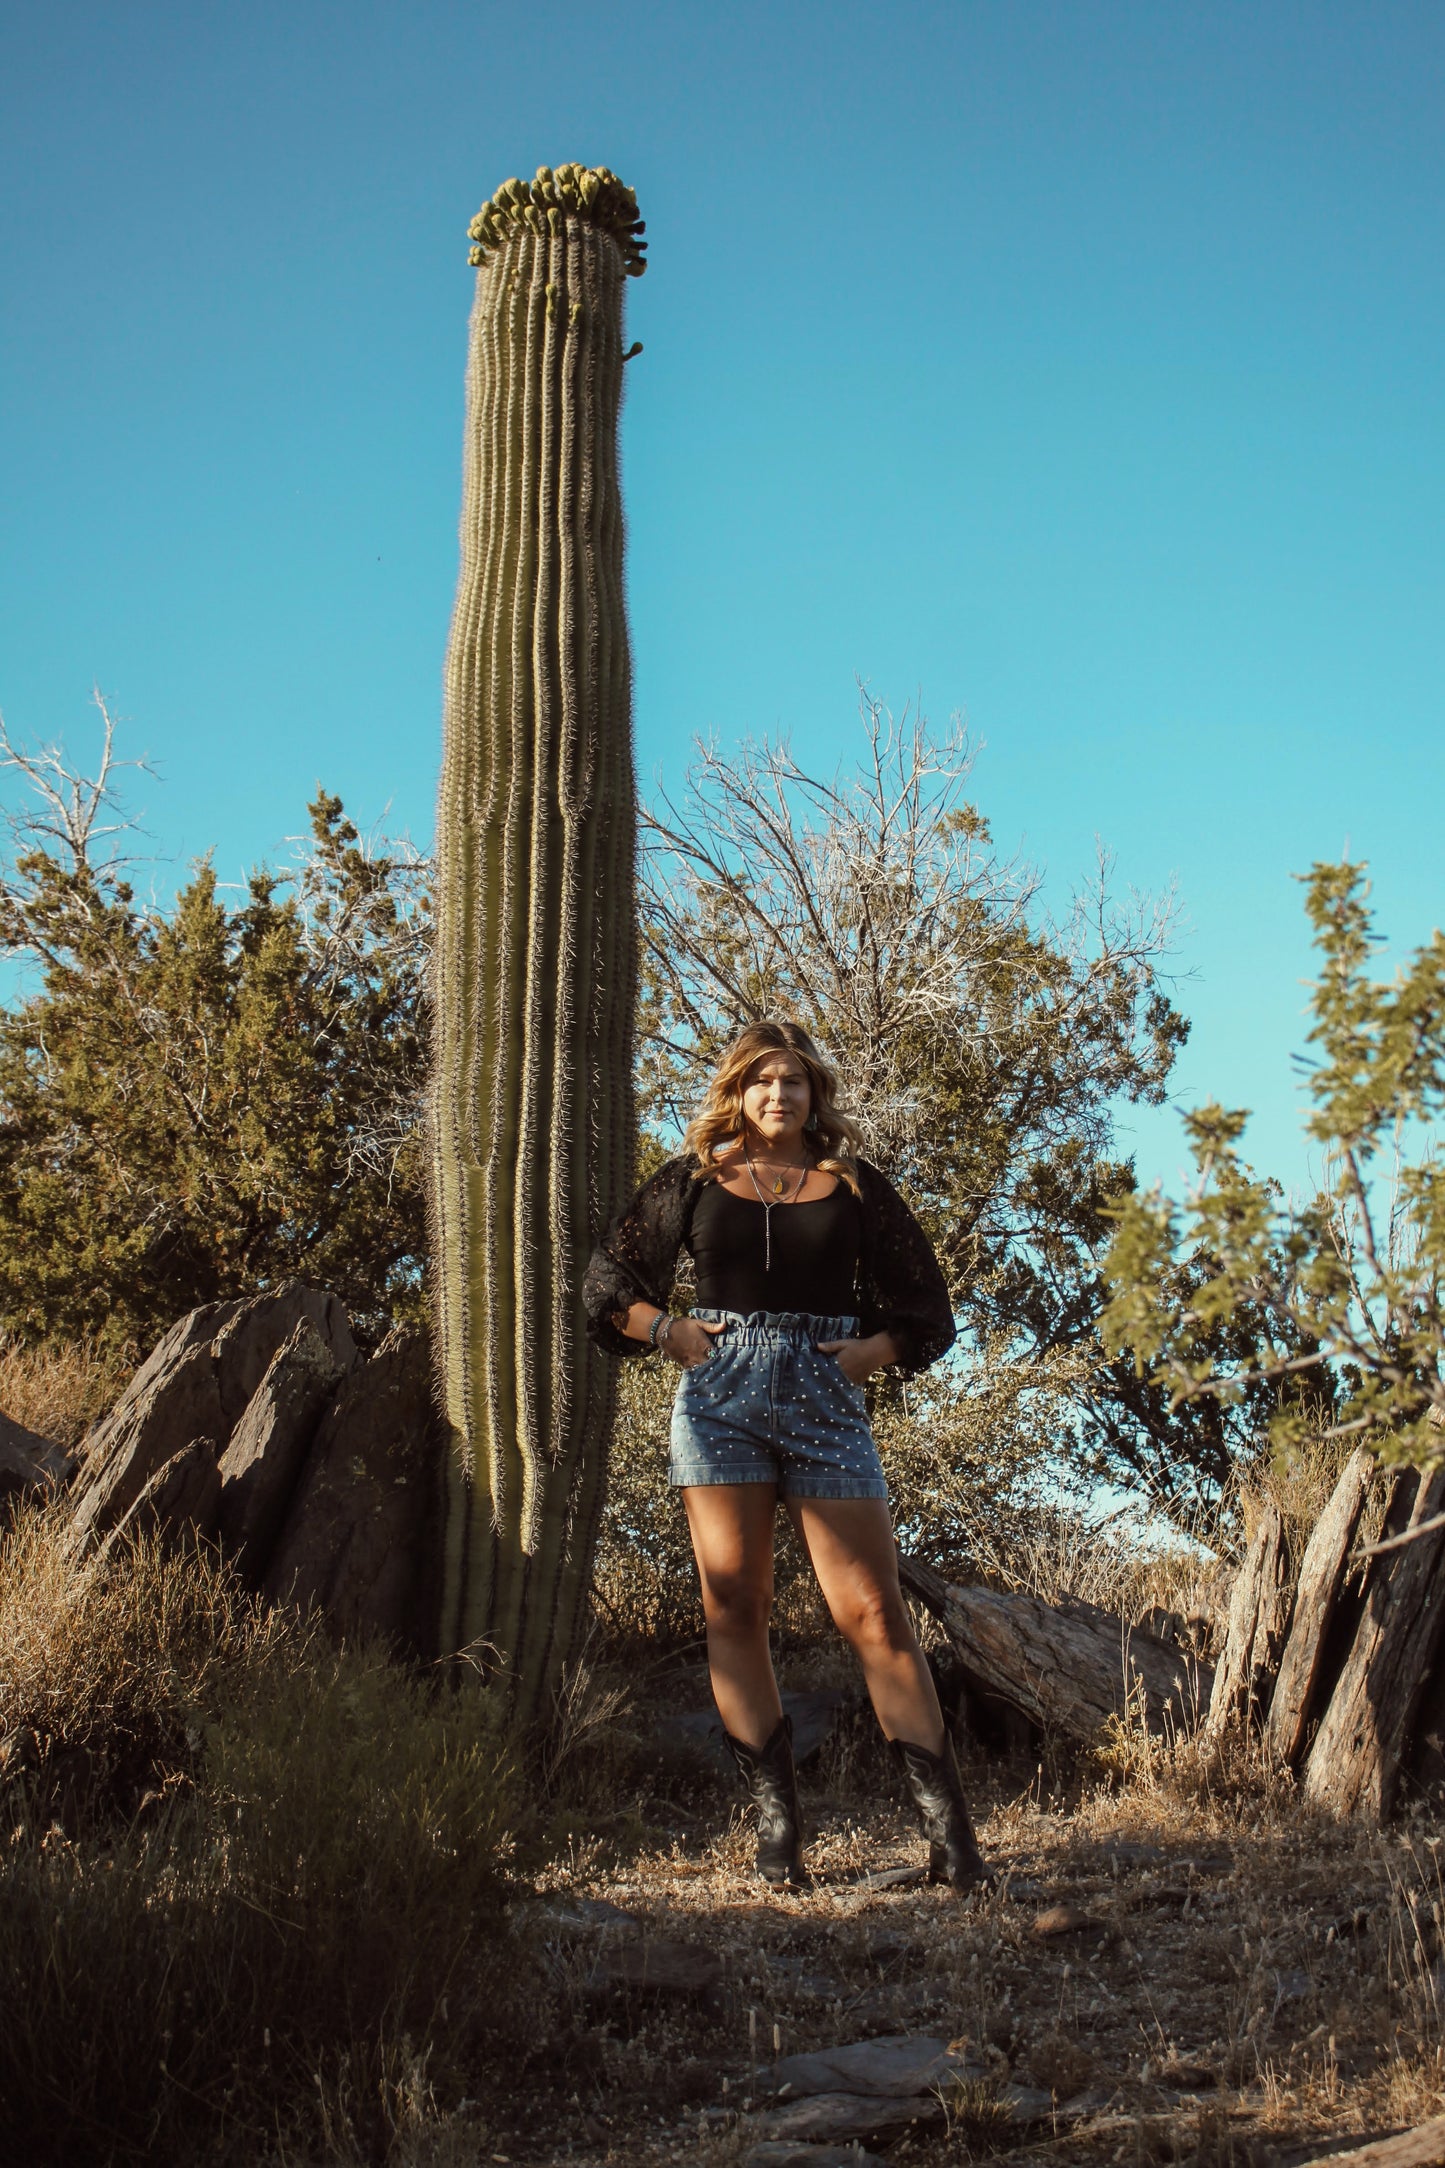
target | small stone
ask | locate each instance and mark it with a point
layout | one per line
(585, 1915)
(894, 2068)
(1135, 1855)
(1063, 1919)
(1025, 2103)
(1092, 2102)
(657, 1968)
(890, 1878)
(841, 2117)
(784, 2154)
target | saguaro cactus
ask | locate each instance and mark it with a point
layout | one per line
(535, 963)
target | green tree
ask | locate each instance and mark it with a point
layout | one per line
(201, 1101)
(1327, 1315)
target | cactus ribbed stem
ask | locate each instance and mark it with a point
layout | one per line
(535, 948)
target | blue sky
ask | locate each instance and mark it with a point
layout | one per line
(1077, 365)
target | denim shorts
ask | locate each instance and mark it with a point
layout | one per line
(767, 1407)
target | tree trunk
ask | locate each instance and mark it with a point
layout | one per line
(1069, 1667)
(1259, 1612)
(1354, 1764)
(1321, 1578)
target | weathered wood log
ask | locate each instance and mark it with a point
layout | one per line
(1259, 1616)
(1423, 2147)
(1355, 1761)
(1322, 1575)
(1070, 1666)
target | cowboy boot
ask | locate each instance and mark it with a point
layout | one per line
(772, 1781)
(937, 1788)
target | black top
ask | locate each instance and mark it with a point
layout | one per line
(899, 1288)
(814, 1249)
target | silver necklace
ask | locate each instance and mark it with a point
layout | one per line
(767, 1203)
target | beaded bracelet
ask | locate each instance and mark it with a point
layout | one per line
(662, 1318)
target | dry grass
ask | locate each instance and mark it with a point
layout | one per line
(60, 1390)
(109, 1671)
(260, 1902)
(252, 1890)
(1252, 1980)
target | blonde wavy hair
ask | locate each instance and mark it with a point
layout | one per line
(718, 1122)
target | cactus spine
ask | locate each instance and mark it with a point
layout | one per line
(535, 945)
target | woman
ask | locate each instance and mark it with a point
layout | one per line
(811, 1274)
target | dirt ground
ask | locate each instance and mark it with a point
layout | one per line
(1176, 1965)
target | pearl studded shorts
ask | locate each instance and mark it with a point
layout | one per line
(767, 1407)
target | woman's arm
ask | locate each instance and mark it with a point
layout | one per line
(685, 1340)
(858, 1359)
(903, 1292)
(634, 1264)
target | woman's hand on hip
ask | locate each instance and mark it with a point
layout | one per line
(858, 1359)
(690, 1341)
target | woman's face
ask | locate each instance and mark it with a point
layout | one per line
(777, 1100)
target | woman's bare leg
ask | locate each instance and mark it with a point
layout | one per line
(850, 1542)
(732, 1540)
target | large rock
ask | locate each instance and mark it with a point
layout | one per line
(29, 1462)
(182, 1497)
(195, 1384)
(261, 1466)
(362, 1538)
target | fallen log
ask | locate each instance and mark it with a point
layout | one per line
(1260, 1606)
(1070, 1666)
(1322, 1575)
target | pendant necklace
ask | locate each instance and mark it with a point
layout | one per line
(779, 1189)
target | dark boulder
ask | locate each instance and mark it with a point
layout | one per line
(195, 1384)
(362, 1538)
(262, 1464)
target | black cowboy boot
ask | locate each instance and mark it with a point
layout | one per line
(770, 1777)
(937, 1788)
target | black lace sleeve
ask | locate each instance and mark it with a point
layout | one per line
(636, 1260)
(900, 1285)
